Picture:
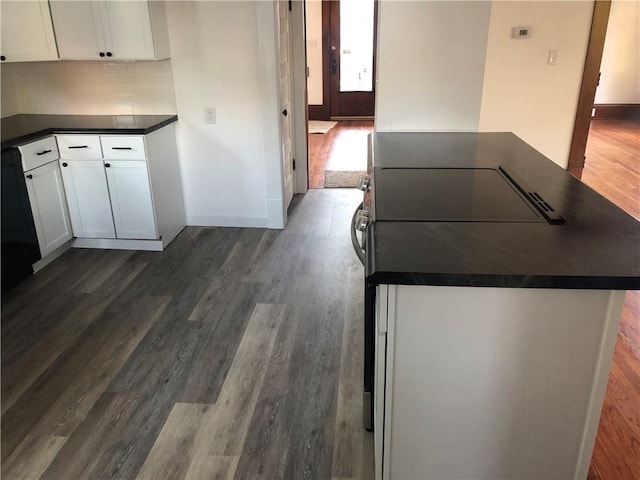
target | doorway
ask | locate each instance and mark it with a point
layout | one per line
(338, 157)
(341, 47)
(615, 95)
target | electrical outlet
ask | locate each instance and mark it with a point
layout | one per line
(209, 115)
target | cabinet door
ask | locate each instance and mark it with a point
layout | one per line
(49, 207)
(127, 27)
(87, 193)
(78, 30)
(27, 32)
(131, 199)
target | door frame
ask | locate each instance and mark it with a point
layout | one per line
(299, 96)
(595, 47)
(323, 112)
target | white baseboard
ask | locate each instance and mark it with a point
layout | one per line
(43, 262)
(117, 244)
(220, 221)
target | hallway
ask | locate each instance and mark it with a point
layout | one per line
(343, 148)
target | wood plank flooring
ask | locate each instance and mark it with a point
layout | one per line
(236, 353)
(612, 168)
(344, 147)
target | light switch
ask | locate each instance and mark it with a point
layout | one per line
(552, 57)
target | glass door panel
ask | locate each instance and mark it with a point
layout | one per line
(356, 45)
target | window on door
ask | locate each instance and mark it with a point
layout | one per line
(356, 50)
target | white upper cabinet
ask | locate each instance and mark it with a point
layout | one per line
(27, 32)
(108, 30)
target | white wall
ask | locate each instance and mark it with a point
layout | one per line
(217, 62)
(521, 92)
(620, 67)
(314, 51)
(430, 64)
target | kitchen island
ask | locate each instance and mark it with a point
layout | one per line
(495, 282)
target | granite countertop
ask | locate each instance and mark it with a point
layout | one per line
(598, 246)
(19, 129)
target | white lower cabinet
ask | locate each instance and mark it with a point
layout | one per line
(88, 198)
(124, 191)
(131, 200)
(49, 207)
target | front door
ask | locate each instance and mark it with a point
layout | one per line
(351, 50)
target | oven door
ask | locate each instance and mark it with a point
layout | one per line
(359, 222)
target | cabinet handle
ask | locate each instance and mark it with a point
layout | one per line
(109, 54)
(107, 165)
(65, 164)
(121, 148)
(44, 152)
(77, 146)
(101, 54)
(29, 176)
(3, 58)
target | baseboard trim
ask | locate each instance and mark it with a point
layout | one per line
(118, 244)
(621, 111)
(220, 221)
(43, 262)
(318, 112)
(352, 117)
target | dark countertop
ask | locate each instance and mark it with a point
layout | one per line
(19, 129)
(598, 247)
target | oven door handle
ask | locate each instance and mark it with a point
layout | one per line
(354, 237)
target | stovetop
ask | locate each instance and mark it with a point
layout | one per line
(449, 195)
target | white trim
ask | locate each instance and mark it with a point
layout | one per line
(55, 253)
(118, 244)
(391, 316)
(600, 379)
(274, 220)
(299, 99)
(268, 70)
(228, 221)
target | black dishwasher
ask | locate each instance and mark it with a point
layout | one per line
(20, 248)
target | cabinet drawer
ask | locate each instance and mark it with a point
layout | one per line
(79, 146)
(123, 147)
(38, 153)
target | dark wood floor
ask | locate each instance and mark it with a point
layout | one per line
(344, 147)
(236, 353)
(613, 169)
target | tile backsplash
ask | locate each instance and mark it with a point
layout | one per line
(88, 87)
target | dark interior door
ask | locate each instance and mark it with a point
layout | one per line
(351, 52)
